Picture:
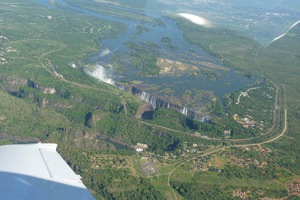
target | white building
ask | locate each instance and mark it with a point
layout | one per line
(139, 150)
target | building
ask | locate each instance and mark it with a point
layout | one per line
(142, 146)
(139, 150)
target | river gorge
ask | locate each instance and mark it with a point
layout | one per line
(187, 79)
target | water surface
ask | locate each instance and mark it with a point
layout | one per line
(230, 80)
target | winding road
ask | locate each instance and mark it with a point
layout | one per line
(48, 66)
(270, 140)
(230, 146)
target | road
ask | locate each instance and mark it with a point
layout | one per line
(49, 67)
(230, 146)
(270, 140)
(244, 94)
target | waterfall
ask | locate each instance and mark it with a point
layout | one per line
(149, 99)
(205, 118)
(156, 103)
(184, 111)
(160, 103)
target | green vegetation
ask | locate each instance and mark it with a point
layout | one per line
(285, 57)
(115, 182)
(141, 29)
(233, 48)
(20, 118)
(167, 41)
(278, 63)
(239, 170)
(44, 99)
(253, 107)
(117, 11)
(191, 191)
(30, 80)
(225, 122)
(142, 57)
(211, 74)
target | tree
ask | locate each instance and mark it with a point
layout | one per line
(89, 119)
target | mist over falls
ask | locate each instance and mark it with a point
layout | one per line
(101, 73)
(105, 52)
(168, 45)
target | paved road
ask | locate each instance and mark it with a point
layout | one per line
(48, 66)
(270, 140)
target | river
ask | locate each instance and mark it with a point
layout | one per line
(229, 82)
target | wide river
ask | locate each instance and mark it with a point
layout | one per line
(231, 80)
